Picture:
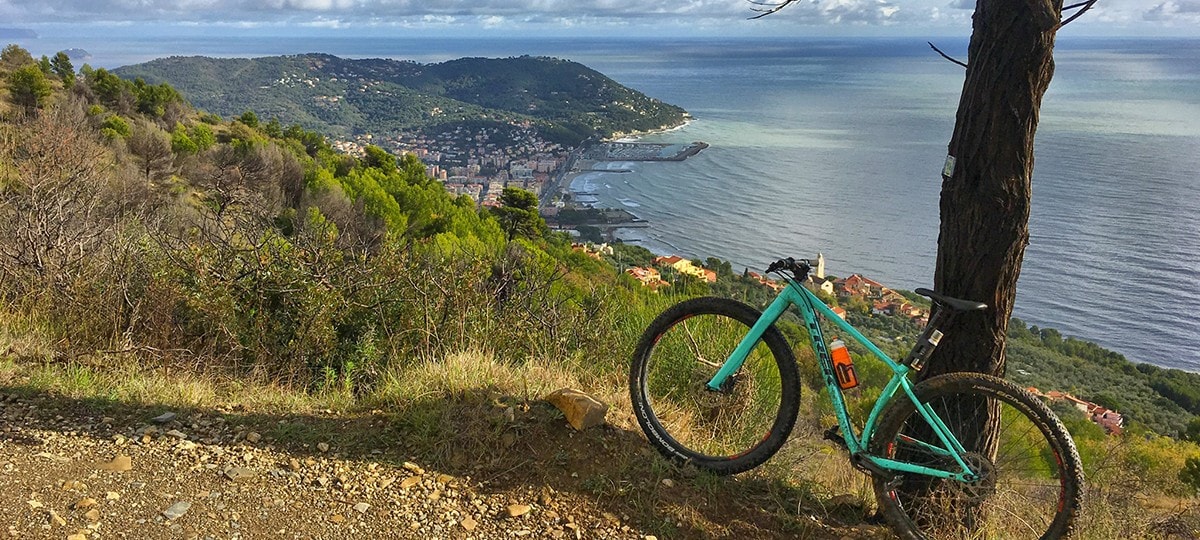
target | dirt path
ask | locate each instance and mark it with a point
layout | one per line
(91, 469)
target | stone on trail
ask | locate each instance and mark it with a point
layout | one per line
(176, 510)
(362, 507)
(253, 437)
(163, 418)
(118, 464)
(469, 523)
(322, 447)
(582, 411)
(410, 482)
(518, 510)
(239, 474)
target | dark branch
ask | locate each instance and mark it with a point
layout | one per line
(771, 7)
(944, 55)
(1084, 9)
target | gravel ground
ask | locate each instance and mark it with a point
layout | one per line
(196, 477)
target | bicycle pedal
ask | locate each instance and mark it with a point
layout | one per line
(834, 434)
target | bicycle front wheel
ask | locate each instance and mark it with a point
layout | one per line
(1029, 479)
(727, 431)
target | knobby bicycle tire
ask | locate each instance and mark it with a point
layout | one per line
(1032, 486)
(723, 432)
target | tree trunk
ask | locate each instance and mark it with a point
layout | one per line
(985, 195)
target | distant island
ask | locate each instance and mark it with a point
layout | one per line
(17, 33)
(78, 54)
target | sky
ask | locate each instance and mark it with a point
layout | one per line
(520, 18)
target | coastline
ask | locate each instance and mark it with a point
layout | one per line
(633, 136)
(577, 187)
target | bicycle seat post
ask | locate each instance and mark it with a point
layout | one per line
(927, 341)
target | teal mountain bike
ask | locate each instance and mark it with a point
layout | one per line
(714, 384)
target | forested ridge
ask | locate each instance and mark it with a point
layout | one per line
(341, 97)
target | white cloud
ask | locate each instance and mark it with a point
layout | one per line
(493, 21)
(815, 11)
(1174, 10)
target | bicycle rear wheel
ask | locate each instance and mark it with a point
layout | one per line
(1030, 481)
(727, 431)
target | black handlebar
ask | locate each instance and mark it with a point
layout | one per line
(799, 268)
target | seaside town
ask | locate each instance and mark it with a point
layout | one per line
(479, 162)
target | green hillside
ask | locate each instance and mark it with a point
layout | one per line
(344, 97)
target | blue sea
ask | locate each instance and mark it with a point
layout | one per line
(835, 147)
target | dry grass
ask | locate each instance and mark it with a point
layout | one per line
(474, 370)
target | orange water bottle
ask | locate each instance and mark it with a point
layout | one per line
(843, 365)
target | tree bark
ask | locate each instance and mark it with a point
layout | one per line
(985, 197)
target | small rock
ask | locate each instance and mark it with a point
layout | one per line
(582, 411)
(668, 482)
(74, 485)
(469, 523)
(322, 447)
(53, 457)
(84, 503)
(445, 478)
(414, 467)
(92, 515)
(177, 434)
(518, 510)
(384, 483)
(176, 510)
(239, 474)
(294, 464)
(57, 519)
(253, 437)
(410, 482)
(112, 496)
(118, 464)
(77, 536)
(35, 504)
(337, 518)
(163, 418)
(362, 507)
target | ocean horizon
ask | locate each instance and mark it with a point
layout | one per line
(835, 146)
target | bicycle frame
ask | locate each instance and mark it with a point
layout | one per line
(810, 306)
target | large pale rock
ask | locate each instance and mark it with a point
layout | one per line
(582, 411)
(118, 464)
